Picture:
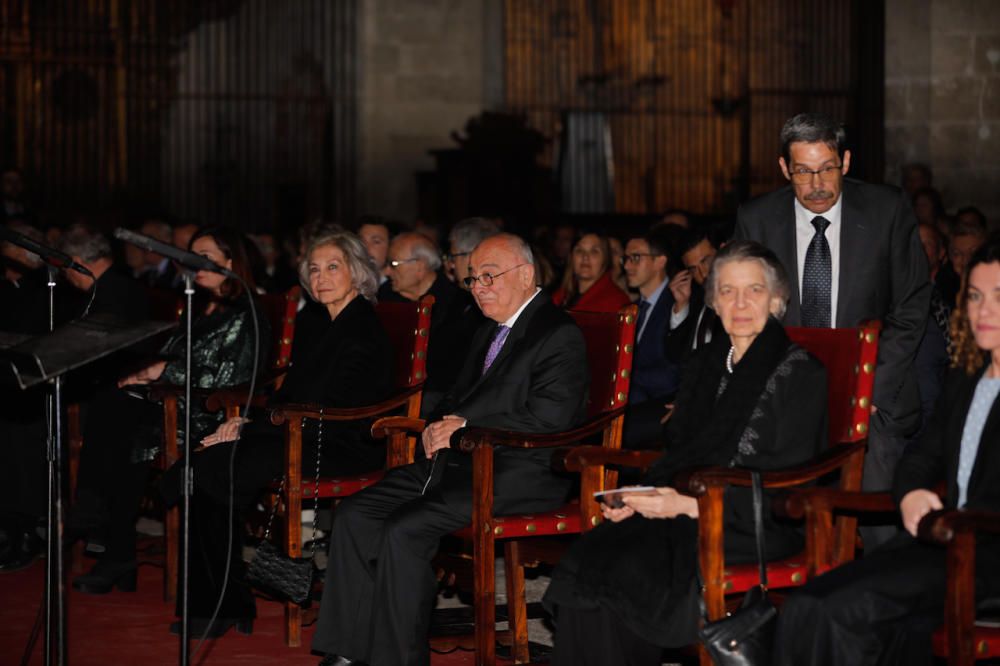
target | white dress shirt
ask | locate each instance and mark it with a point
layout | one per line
(804, 232)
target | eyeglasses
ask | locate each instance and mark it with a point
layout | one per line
(451, 257)
(396, 263)
(486, 279)
(827, 174)
(636, 257)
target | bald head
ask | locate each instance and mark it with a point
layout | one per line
(506, 259)
(413, 262)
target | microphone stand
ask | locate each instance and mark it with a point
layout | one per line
(55, 585)
(188, 483)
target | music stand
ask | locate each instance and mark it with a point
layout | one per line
(45, 359)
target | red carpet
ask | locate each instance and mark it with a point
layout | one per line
(131, 628)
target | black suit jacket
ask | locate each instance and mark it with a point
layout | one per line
(655, 376)
(934, 458)
(680, 342)
(883, 275)
(539, 384)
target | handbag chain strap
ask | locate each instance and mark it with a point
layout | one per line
(758, 528)
(281, 487)
(758, 524)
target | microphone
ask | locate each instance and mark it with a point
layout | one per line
(185, 258)
(49, 255)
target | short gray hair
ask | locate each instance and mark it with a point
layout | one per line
(742, 250)
(363, 274)
(470, 232)
(423, 248)
(812, 128)
(87, 244)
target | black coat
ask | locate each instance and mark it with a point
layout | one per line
(346, 362)
(644, 570)
(538, 384)
(883, 275)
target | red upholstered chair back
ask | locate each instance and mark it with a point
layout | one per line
(610, 337)
(849, 355)
(408, 326)
(280, 311)
(164, 304)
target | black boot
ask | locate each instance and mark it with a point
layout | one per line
(198, 627)
(107, 575)
(19, 547)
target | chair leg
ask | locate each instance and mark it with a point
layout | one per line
(171, 545)
(517, 608)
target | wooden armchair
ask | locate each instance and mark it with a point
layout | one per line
(609, 338)
(960, 640)
(408, 328)
(849, 356)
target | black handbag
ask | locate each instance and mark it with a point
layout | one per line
(745, 637)
(273, 571)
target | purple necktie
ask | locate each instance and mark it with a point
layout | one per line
(498, 339)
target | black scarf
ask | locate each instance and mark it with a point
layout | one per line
(706, 426)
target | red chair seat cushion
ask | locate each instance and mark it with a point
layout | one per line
(564, 520)
(342, 486)
(986, 641)
(783, 573)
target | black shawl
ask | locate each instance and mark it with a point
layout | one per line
(768, 413)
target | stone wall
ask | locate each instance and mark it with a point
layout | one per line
(943, 97)
(426, 67)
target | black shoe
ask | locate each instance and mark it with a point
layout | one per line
(198, 627)
(19, 549)
(337, 660)
(107, 575)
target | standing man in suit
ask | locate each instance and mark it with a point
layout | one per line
(526, 371)
(853, 252)
(654, 376)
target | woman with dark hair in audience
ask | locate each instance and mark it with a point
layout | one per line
(587, 281)
(752, 398)
(341, 357)
(123, 430)
(883, 609)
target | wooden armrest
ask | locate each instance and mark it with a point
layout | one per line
(581, 457)
(942, 526)
(236, 396)
(696, 482)
(807, 500)
(282, 413)
(389, 425)
(472, 438)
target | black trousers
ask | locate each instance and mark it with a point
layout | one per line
(878, 610)
(598, 638)
(107, 477)
(380, 588)
(881, 459)
(216, 530)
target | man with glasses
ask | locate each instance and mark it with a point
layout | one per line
(853, 253)
(414, 265)
(654, 376)
(527, 372)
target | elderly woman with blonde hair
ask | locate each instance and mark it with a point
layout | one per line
(341, 357)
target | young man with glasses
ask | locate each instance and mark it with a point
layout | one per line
(654, 376)
(853, 253)
(527, 372)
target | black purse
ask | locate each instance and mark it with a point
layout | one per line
(745, 637)
(274, 572)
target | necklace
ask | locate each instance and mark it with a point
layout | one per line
(729, 359)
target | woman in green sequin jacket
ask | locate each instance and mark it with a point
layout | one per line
(123, 431)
